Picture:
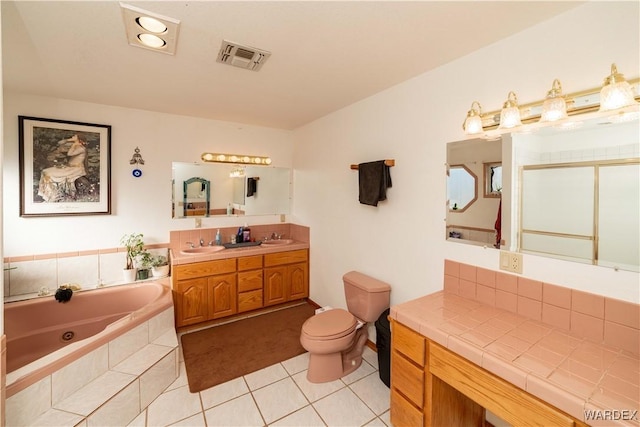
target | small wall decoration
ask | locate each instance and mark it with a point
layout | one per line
(65, 167)
(136, 159)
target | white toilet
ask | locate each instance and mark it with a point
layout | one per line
(335, 339)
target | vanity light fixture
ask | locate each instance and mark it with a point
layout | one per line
(235, 158)
(149, 30)
(510, 114)
(473, 123)
(616, 92)
(554, 107)
(616, 96)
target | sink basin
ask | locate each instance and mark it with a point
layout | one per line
(203, 250)
(277, 242)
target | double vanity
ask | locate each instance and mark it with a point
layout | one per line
(213, 282)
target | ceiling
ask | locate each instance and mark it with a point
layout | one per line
(325, 54)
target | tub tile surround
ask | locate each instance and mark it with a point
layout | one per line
(111, 385)
(89, 269)
(583, 354)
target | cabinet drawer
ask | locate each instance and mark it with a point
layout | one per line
(404, 413)
(249, 300)
(203, 269)
(288, 257)
(249, 262)
(408, 342)
(249, 280)
(407, 378)
(504, 399)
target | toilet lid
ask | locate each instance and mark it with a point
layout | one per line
(330, 324)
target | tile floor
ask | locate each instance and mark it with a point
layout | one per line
(279, 395)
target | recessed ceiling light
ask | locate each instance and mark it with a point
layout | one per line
(149, 30)
(151, 24)
(151, 40)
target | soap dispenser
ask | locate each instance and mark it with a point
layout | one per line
(246, 233)
(218, 238)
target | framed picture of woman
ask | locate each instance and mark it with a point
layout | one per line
(65, 167)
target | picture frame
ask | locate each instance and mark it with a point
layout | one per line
(65, 167)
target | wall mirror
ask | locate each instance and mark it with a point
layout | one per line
(569, 193)
(229, 189)
(471, 210)
(580, 193)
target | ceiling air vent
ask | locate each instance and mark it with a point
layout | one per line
(246, 57)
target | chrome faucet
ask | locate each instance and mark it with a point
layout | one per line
(201, 242)
(275, 236)
(191, 245)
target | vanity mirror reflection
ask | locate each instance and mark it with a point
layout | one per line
(207, 189)
(473, 204)
(571, 193)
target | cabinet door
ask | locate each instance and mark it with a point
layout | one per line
(222, 296)
(298, 278)
(191, 302)
(275, 285)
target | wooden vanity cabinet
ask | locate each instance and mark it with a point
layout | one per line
(204, 291)
(214, 289)
(433, 386)
(250, 283)
(286, 276)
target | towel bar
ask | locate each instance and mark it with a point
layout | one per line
(388, 162)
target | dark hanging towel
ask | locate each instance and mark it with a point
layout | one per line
(252, 186)
(374, 178)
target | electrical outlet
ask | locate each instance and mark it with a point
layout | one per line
(511, 261)
(198, 222)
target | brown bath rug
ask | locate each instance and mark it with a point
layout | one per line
(222, 353)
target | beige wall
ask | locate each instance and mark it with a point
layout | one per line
(141, 205)
(402, 240)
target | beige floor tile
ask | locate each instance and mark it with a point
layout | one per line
(371, 357)
(241, 411)
(172, 406)
(316, 391)
(223, 392)
(297, 364)
(195, 421)
(362, 371)
(386, 418)
(372, 391)
(118, 411)
(305, 417)
(343, 408)
(265, 376)
(139, 421)
(376, 422)
(279, 399)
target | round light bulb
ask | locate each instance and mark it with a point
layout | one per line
(151, 41)
(151, 24)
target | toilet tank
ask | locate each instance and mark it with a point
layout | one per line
(366, 297)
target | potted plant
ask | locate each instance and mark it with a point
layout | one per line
(159, 266)
(135, 246)
(144, 261)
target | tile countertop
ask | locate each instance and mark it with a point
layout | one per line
(178, 258)
(565, 370)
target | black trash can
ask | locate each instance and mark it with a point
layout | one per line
(383, 344)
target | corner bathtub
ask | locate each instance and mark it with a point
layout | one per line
(44, 335)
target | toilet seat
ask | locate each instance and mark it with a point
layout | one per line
(330, 325)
